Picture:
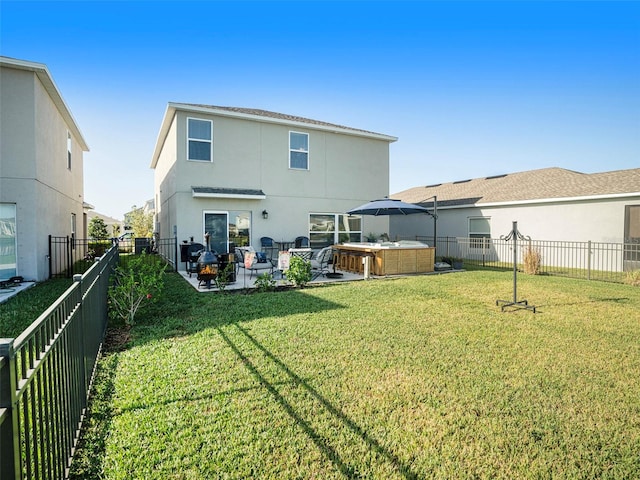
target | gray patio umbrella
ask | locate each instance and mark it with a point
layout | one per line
(389, 206)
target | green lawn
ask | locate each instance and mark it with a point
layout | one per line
(19, 311)
(420, 377)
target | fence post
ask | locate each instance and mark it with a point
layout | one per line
(175, 248)
(589, 260)
(484, 251)
(10, 467)
(81, 344)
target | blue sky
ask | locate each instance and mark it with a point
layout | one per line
(470, 89)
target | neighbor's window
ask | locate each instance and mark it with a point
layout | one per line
(632, 237)
(199, 139)
(479, 228)
(69, 150)
(8, 257)
(330, 228)
(299, 150)
(73, 230)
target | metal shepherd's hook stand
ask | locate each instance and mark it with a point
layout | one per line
(515, 235)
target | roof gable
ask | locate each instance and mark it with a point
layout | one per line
(42, 72)
(531, 185)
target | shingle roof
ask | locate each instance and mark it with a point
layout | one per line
(531, 185)
(280, 116)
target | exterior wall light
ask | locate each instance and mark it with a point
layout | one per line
(265, 214)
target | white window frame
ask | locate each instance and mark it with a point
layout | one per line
(291, 150)
(210, 141)
(339, 234)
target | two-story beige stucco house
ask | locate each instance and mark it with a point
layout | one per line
(241, 174)
(41, 169)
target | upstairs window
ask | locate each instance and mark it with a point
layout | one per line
(199, 139)
(299, 150)
(69, 150)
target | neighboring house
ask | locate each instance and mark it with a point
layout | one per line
(548, 204)
(241, 174)
(114, 226)
(41, 169)
(147, 210)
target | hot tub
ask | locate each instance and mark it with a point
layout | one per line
(386, 258)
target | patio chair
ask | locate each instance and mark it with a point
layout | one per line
(268, 245)
(256, 265)
(303, 253)
(320, 263)
(301, 242)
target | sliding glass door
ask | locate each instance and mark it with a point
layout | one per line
(8, 265)
(216, 224)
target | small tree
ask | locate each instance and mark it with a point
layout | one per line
(97, 228)
(133, 283)
(141, 223)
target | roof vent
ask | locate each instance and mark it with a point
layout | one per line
(496, 176)
(462, 181)
(434, 185)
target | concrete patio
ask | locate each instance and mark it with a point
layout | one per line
(7, 292)
(245, 280)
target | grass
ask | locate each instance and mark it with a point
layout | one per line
(418, 377)
(17, 313)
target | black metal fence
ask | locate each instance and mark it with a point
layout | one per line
(69, 256)
(46, 375)
(588, 260)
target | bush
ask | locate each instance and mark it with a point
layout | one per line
(532, 261)
(265, 282)
(299, 272)
(97, 248)
(633, 278)
(223, 276)
(133, 282)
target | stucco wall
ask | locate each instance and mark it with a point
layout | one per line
(344, 172)
(33, 170)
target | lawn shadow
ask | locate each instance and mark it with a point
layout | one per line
(614, 300)
(323, 444)
(182, 311)
(88, 461)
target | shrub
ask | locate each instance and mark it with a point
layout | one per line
(633, 278)
(223, 276)
(299, 272)
(97, 248)
(132, 283)
(532, 260)
(265, 282)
